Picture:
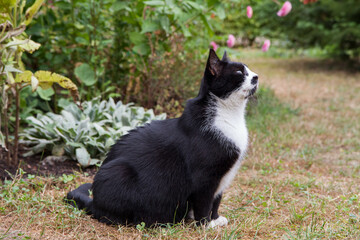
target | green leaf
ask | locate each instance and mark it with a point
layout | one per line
(45, 93)
(137, 38)
(195, 5)
(149, 26)
(165, 23)
(186, 31)
(86, 74)
(207, 24)
(82, 40)
(154, 3)
(83, 156)
(117, 6)
(220, 12)
(79, 26)
(178, 13)
(63, 102)
(142, 49)
(109, 142)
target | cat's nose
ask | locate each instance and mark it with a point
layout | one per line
(254, 80)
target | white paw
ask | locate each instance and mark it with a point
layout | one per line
(191, 214)
(219, 222)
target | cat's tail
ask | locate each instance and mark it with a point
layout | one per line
(80, 198)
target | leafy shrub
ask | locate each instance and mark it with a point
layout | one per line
(76, 35)
(108, 45)
(175, 77)
(84, 135)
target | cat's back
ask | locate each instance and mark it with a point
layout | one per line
(152, 140)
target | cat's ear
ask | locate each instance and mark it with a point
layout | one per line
(213, 66)
(225, 57)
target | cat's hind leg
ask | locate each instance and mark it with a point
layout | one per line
(80, 198)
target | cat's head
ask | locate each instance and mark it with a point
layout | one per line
(224, 78)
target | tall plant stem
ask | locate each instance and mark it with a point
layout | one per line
(17, 125)
(6, 127)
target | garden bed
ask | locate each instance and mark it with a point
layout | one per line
(34, 165)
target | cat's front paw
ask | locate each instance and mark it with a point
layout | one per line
(219, 222)
(190, 215)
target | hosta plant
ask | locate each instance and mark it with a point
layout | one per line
(86, 134)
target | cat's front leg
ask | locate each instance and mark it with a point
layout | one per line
(215, 207)
(216, 220)
(202, 203)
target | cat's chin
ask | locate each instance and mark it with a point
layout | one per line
(251, 92)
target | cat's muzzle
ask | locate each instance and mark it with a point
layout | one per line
(252, 91)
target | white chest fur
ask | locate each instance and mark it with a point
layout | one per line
(230, 120)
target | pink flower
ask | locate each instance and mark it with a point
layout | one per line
(285, 9)
(266, 45)
(231, 41)
(214, 45)
(249, 11)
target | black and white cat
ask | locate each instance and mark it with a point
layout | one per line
(178, 168)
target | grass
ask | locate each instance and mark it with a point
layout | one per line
(300, 179)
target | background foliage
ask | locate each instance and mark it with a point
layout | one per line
(153, 52)
(116, 48)
(331, 25)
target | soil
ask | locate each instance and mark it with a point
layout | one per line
(34, 165)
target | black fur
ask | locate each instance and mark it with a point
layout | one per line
(157, 173)
(80, 197)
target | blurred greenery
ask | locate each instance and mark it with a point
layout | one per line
(331, 25)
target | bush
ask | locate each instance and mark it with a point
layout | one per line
(84, 135)
(173, 78)
(111, 46)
